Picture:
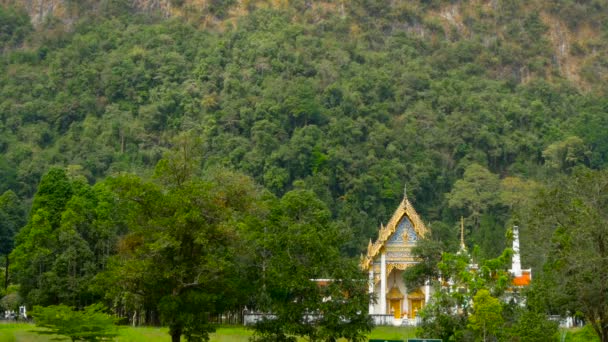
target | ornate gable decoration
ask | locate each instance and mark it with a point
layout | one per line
(397, 230)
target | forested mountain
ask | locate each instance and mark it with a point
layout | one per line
(470, 104)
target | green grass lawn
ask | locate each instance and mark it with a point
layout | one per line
(22, 332)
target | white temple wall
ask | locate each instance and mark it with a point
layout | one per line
(396, 277)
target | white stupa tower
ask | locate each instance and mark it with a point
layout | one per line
(520, 277)
(516, 261)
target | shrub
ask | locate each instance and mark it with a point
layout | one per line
(90, 324)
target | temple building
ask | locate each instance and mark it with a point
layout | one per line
(385, 261)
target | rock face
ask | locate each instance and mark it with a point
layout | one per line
(70, 10)
(38, 10)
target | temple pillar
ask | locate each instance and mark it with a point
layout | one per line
(383, 280)
(371, 290)
(427, 292)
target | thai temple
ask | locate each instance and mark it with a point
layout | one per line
(388, 257)
(385, 261)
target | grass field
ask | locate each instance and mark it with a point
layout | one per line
(22, 332)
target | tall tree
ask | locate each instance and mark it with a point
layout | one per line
(573, 213)
(12, 218)
(477, 196)
(182, 249)
(67, 240)
(36, 243)
(310, 289)
(475, 193)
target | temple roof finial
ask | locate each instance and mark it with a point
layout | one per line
(462, 246)
(405, 191)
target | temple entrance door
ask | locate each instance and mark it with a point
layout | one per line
(416, 306)
(396, 308)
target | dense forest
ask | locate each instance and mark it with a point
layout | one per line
(474, 106)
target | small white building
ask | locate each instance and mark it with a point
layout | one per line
(386, 260)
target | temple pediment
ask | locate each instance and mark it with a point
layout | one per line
(397, 238)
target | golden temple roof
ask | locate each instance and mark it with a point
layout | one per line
(405, 209)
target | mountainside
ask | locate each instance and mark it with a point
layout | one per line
(469, 103)
(571, 30)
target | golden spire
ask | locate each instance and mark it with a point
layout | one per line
(462, 246)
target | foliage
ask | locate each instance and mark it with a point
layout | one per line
(439, 319)
(71, 232)
(329, 106)
(90, 324)
(583, 334)
(449, 313)
(572, 214)
(11, 299)
(180, 256)
(353, 104)
(566, 154)
(310, 289)
(14, 27)
(476, 194)
(429, 253)
(486, 319)
(534, 326)
(12, 218)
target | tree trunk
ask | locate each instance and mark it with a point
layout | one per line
(176, 334)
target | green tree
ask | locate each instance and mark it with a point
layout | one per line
(429, 254)
(516, 192)
(571, 216)
(14, 26)
(90, 324)
(12, 218)
(438, 319)
(300, 244)
(36, 243)
(460, 279)
(67, 240)
(182, 249)
(566, 154)
(532, 326)
(11, 299)
(475, 193)
(486, 319)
